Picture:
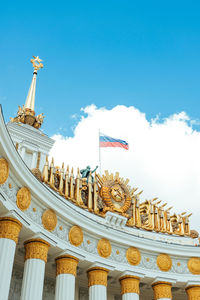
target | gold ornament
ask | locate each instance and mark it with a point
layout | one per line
(49, 220)
(130, 284)
(4, 170)
(66, 264)
(37, 249)
(133, 256)
(10, 228)
(115, 192)
(76, 236)
(194, 265)
(23, 198)
(97, 276)
(162, 290)
(164, 262)
(193, 292)
(104, 248)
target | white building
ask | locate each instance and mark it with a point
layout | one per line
(66, 237)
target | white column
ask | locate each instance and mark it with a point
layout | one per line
(65, 277)
(162, 290)
(33, 278)
(130, 287)
(97, 283)
(9, 232)
(22, 152)
(34, 160)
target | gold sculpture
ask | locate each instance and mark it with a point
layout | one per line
(104, 248)
(109, 192)
(76, 236)
(4, 170)
(23, 198)
(133, 256)
(49, 220)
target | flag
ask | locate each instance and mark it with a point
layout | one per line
(107, 141)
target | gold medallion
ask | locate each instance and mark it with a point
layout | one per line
(49, 220)
(133, 256)
(104, 248)
(76, 236)
(23, 198)
(194, 265)
(4, 170)
(164, 262)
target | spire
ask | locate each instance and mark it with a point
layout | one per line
(26, 114)
(30, 100)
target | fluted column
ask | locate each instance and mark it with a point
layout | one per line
(97, 283)
(162, 290)
(193, 292)
(66, 266)
(36, 251)
(130, 287)
(9, 233)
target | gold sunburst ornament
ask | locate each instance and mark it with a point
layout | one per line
(115, 192)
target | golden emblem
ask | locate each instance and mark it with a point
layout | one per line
(23, 198)
(104, 248)
(76, 236)
(194, 265)
(49, 220)
(133, 256)
(164, 262)
(4, 170)
(115, 192)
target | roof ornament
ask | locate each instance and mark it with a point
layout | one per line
(26, 113)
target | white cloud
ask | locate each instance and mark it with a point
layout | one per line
(163, 160)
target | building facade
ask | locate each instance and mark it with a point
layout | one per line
(74, 235)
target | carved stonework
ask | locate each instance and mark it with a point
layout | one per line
(194, 265)
(193, 292)
(76, 236)
(37, 249)
(164, 262)
(10, 228)
(49, 220)
(162, 290)
(130, 284)
(66, 265)
(4, 170)
(97, 276)
(104, 248)
(133, 256)
(23, 198)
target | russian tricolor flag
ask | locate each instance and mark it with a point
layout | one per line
(107, 141)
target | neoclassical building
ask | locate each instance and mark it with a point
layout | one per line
(72, 235)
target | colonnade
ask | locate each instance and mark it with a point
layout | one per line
(36, 251)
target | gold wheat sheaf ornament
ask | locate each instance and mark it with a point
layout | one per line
(115, 192)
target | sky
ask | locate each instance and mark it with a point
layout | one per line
(130, 68)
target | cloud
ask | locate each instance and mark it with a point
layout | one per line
(163, 159)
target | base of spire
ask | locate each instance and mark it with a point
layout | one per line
(27, 116)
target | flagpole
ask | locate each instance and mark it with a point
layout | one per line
(99, 154)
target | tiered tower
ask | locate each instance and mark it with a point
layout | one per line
(32, 144)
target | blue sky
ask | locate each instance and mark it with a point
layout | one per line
(140, 53)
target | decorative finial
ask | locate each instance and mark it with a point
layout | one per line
(36, 62)
(26, 113)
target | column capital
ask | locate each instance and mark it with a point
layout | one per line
(97, 276)
(129, 284)
(36, 248)
(162, 289)
(10, 228)
(193, 292)
(66, 264)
